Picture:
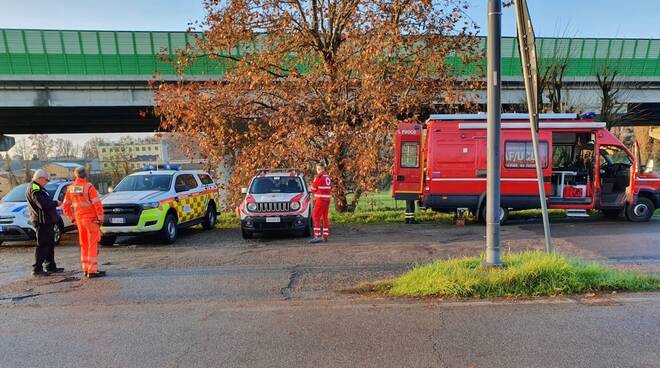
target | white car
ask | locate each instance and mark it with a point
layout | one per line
(15, 218)
(276, 200)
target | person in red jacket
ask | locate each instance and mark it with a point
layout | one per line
(83, 206)
(321, 190)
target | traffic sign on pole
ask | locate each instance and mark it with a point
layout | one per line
(6, 143)
(527, 46)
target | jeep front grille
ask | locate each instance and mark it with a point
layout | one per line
(273, 207)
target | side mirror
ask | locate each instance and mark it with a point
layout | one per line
(243, 190)
(181, 188)
(648, 168)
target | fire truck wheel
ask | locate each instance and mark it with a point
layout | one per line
(246, 234)
(504, 214)
(641, 211)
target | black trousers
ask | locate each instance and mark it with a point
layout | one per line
(45, 252)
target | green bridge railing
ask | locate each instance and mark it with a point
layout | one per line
(94, 53)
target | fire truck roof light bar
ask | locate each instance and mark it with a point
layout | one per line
(542, 125)
(511, 116)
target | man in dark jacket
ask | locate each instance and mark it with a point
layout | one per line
(44, 217)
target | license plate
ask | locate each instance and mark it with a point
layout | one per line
(117, 220)
(272, 219)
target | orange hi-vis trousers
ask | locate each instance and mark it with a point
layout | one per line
(89, 233)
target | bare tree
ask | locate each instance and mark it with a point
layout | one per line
(64, 148)
(42, 145)
(611, 108)
(22, 150)
(13, 181)
(90, 149)
(120, 158)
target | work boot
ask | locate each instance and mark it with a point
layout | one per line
(38, 273)
(96, 274)
(315, 240)
(56, 270)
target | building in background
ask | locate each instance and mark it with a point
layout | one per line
(120, 159)
(61, 170)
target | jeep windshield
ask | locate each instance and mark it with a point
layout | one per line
(276, 184)
(136, 183)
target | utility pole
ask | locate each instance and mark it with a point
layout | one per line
(494, 111)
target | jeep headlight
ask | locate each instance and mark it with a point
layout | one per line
(252, 207)
(150, 205)
(295, 205)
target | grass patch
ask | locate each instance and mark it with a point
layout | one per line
(526, 274)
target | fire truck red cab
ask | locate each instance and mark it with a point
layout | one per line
(443, 165)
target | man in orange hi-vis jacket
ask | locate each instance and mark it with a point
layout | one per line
(83, 206)
(321, 189)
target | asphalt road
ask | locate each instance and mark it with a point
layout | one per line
(214, 300)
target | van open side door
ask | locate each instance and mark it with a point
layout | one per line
(408, 173)
(634, 171)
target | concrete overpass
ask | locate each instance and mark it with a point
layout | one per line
(60, 81)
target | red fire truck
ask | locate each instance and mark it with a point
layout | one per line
(442, 165)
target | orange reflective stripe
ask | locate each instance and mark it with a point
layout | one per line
(96, 200)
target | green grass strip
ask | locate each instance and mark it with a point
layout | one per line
(525, 274)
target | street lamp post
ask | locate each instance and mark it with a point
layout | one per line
(493, 136)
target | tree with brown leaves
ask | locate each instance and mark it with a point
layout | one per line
(318, 81)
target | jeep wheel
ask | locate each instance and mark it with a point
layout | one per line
(210, 218)
(108, 240)
(57, 233)
(169, 231)
(246, 234)
(641, 211)
(307, 232)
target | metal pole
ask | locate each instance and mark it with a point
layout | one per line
(493, 137)
(527, 45)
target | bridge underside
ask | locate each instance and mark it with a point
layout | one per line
(80, 119)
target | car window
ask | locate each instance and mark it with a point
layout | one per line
(17, 194)
(51, 188)
(614, 155)
(60, 196)
(190, 181)
(144, 183)
(205, 179)
(276, 184)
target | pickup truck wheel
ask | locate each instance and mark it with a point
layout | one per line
(108, 240)
(210, 218)
(641, 211)
(169, 231)
(58, 229)
(246, 234)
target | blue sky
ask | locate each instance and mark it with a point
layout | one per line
(573, 18)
